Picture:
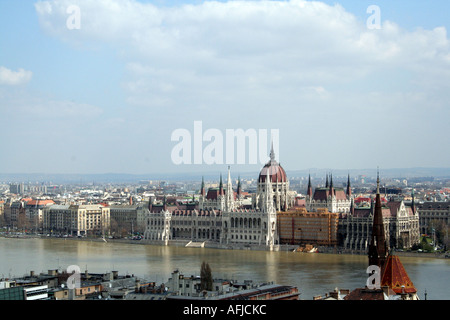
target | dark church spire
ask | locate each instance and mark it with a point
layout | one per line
(309, 191)
(378, 251)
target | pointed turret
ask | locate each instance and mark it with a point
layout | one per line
(202, 188)
(221, 186)
(229, 194)
(309, 192)
(326, 183)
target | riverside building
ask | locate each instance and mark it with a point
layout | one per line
(77, 220)
(221, 220)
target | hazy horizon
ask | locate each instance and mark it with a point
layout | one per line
(316, 173)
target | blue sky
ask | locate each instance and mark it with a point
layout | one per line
(107, 97)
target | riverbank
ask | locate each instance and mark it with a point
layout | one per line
(215, 245)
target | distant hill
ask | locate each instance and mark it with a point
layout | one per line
(197, 176)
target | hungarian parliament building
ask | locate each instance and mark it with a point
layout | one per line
(224, 217)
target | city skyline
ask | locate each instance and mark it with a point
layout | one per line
(105, 96)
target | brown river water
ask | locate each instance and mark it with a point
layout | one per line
(313, 273)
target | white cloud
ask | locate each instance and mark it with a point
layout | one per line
(306, 59)
(12, 78)
(283, 43)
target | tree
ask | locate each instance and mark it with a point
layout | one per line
(206, 282)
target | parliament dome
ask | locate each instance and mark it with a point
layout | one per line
(274, 169)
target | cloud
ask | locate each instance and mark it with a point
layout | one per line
(243, 44)
(13, 78)
(267, 64)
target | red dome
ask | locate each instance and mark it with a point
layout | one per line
(276, 172)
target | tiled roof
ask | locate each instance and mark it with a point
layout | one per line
(39, 202)
(323, 193)
(396, 277)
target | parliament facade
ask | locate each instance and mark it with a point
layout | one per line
(221, 218)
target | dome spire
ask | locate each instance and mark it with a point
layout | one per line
(272, 153)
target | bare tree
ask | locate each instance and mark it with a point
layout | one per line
(206, 282)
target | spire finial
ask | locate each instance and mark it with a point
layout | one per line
(272, 153)
(378, 180)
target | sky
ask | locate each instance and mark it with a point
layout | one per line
(121, 86)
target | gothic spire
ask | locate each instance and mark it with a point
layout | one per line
(378, 250)
(202, 189)
(229, 193)
(309, 191)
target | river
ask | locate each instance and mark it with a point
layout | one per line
(313, 273)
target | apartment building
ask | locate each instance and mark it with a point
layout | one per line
(77, 220)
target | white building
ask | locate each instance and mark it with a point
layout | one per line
(220, 218)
